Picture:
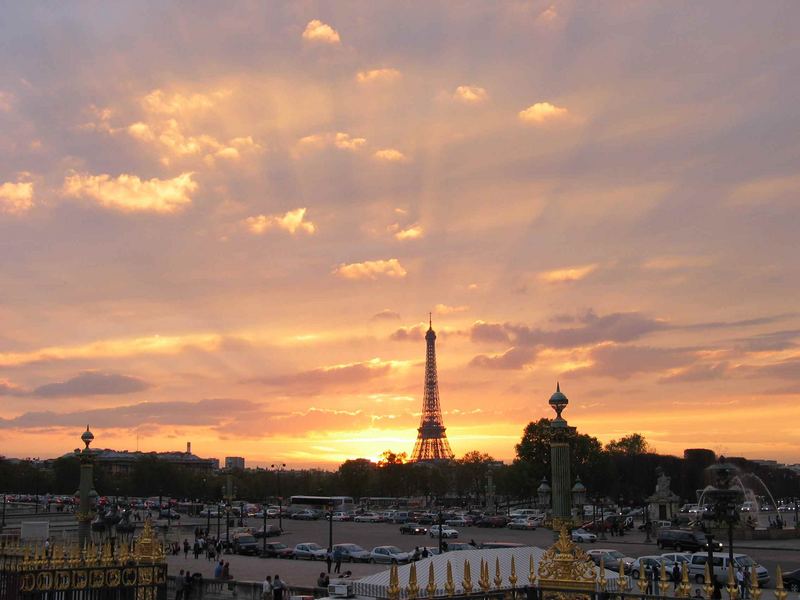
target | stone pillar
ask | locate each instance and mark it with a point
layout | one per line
(86, 492)
(562, 488)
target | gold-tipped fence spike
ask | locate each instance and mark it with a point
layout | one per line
(449, 586)
(622, 582)
(413, 588)
(708, 586)
(663, 583)
(394, 588)
(484, 580)
(498, 577)
(431, 588)
(755, 589)
(684, 589)
(602, 578)
(512, 578)
(642, 581)
(780, 593)
(531, 570)
(732, 587)
(467, 583)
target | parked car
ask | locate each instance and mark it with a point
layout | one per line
(581, 535)
(523, 523)
(306, 515)
(683, 539)
(246, 544)
(791, 580)
(388, 555)
(678, 557)
(458, 522)
(342, 516)
(368, 517)
(697, 567)
(278, 550)
(169, 514)
(412, 528)
(310, 551)
(455, 546)
(270, 531)
(401, 516)
(644, 565)
(492, 521)
(352, 552)
(447, 532)
(611, 559)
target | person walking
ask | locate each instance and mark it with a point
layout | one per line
(196, 549)
(185, 548)
(337, 561)
(277, 588)
(266, 588)
(740, 582)
(676, 576)
(329, 559)
(179, 585)
(226, 570)
(747, 577)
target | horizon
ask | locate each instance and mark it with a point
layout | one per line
(229, 225)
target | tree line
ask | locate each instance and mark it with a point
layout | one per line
(623, 470)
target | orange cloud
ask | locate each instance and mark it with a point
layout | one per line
(291, 221)
(409, 233)
(128, 193)
(319, 141)
(568, 274)
(317, 31)
(378, 75)
(542, 112)
(444, 309)
(371, 269)
(390, 155)
(470, 94)
(16, 198)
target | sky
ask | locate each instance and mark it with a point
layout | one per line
(227, 224)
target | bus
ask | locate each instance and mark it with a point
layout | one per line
(321, 503)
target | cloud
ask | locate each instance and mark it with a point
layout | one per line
(9, 389)
(317, 31)
(470, 94)
(700, 372)
(320, 141)
(411, 232)
(548, 15)
(444, 309)
(291, 221)
(766, 190)
(371, 269)
(385, 315)
(335, 376)
(390, 155)
(513, 359)
(482, 332)
(378, 75)
(92, 383)
(624, 361)
(128, 193)
(542, 112)
(567, 275)
(6, 100)
(160, 102)
(671, 263)
(409, 334)
(16, 198)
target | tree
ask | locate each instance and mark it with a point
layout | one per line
(356, 477)
(471, 471)
(630, 444)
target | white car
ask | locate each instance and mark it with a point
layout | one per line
(310, 551)
(678, 557)
(456, 522)
(368, 518)
(523, 523)
(389, 555)
(447, 532)
(581, 535)
(342, 516)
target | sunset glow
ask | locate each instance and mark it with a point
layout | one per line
(235, 236)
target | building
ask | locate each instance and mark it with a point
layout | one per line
(122, 462)
(234, 462)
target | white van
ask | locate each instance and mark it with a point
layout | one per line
(697, 567)
(524, 513)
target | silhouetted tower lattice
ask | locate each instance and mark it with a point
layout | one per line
(432, 442)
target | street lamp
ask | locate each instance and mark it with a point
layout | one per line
(279, 468)
(724, 498)
(579, 495)
(330, 532)
(544, 492)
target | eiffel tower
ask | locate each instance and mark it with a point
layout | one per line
(432, 442)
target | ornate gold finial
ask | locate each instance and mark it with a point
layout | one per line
(484, 582)
(467, 583)
(663, 583)
(431, 588)
(623, 583)
(512, 578)
(413, 588)
(602, 578)
(755, 590)
(394, 584)
(780, 593)
(642, 582)
(498, 577)
(566, 566)
(449, 586)
(708, 586)
(148, 548)
(732, 587)
(531, 570)
(684, 589)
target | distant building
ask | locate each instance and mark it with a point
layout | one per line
(234, 462)
(122, 462)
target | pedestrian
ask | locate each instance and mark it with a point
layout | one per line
(187, 586)
(277, 588)
(329, 559)
(218, 570)
(337, 560)
(676, 576)
(740, 582)
(196, 549)
(226, 570)
(322, 581)
(266, 588)
(653, 581)
(425, 552)
(185, 548)
(415, 555)
(747, 575)
(179, 585)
